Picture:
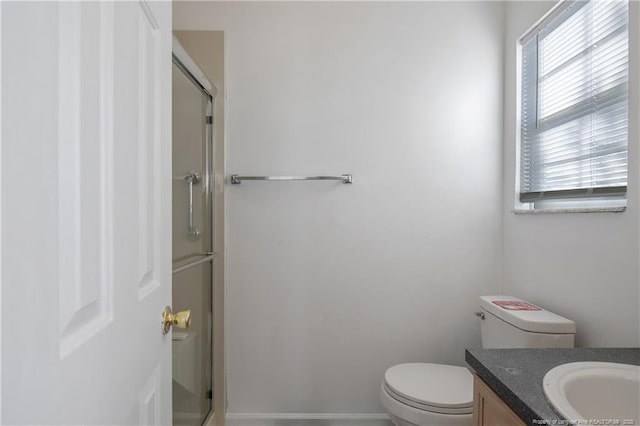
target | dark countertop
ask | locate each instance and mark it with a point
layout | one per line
(516, 374)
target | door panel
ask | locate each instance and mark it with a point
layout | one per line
(148, 145)
(86, 212)
(85, 170)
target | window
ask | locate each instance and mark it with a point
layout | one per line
(574, 107)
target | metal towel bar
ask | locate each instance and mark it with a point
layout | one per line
(237, 179)
(207, 258)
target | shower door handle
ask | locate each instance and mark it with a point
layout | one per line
(193, 231)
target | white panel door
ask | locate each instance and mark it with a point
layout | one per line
(86, 212)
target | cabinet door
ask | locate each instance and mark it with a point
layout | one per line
(489, 409)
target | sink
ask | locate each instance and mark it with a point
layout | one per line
(595, 391)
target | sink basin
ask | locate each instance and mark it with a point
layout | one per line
(595, 391)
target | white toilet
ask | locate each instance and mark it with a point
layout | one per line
(421, 394)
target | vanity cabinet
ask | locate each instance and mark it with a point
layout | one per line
(489, 409)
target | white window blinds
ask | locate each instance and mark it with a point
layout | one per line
(574, 109)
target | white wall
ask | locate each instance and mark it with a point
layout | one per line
(582, 266)
(329, 284)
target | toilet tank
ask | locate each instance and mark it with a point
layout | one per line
(508, 322)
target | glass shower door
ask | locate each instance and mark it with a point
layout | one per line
(192, 249)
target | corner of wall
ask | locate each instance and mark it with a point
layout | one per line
(551, 259)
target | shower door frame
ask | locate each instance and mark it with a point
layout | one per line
(188, 67)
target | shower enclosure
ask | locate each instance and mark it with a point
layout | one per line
(192, 171)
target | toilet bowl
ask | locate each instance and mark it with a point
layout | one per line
(422, 394)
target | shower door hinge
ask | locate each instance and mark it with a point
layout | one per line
(209, 119)
(209, 394)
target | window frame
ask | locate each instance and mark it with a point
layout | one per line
(599, 199)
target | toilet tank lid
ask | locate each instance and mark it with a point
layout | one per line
(526, 316)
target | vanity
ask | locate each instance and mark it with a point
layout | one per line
(508, 383)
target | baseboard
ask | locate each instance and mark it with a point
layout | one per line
(306, 419)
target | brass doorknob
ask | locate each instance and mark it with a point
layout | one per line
(180, 319)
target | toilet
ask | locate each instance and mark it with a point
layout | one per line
(424, 394)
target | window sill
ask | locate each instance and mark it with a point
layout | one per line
(571, 210)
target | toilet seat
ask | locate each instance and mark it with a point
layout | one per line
(437, 388)
(426, 407)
